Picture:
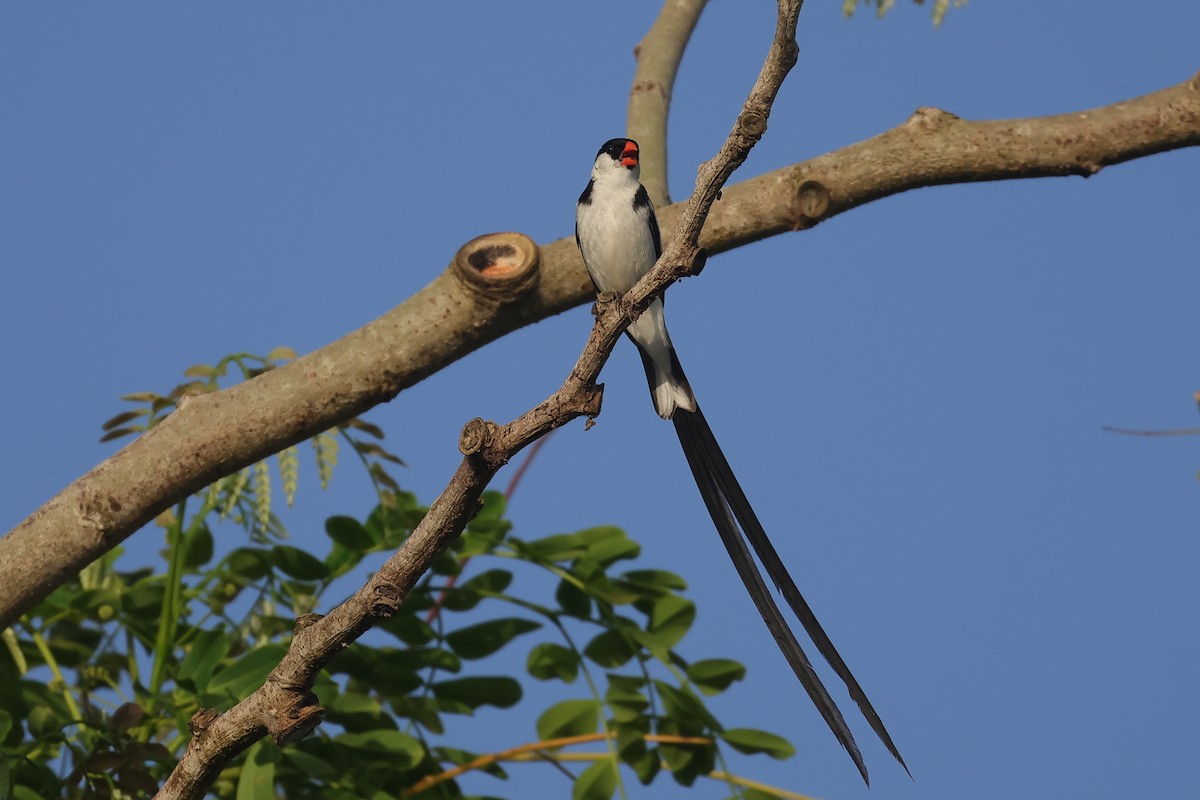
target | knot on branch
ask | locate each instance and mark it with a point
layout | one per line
(929, 118)
(201, 720)
(499, 266)
(752, 123)
(812, 203)
(790, 54)
(305, 621)
(640, 87)
(481, 439)
(475, 436)
(386, 601)
(294, 719)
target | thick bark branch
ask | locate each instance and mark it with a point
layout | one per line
(658, 57)
(284, 706)
(214, 435)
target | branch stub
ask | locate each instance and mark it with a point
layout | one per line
(813, 200)
(473, 437)
(500, 266)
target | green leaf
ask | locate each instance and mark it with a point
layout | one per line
(248, 673)
(749, 740)
(648, 766)
(610, 649)
(198, 547)
(422, 710)
(759, 794)
(352, 710)
(627, 705)
(569, 718)
(310, 765)
(144, 599)
(408, 627)
(612, 546)
(350, 533)
(598, 782)
(6, 723)
(600, 586)
(685, 707)
(687, 762)
(654, 581)
(141, 397)
(479, 641)
(248, 563)
(297, 563)
(467, 595)
(498, 691)
(493, 581)
(492, 508)
(200, 371)
(117, 433)
(402, 750)
(573, 600)
(341, 560)
(548, 661)
(257, 781)
(715, 675)
(281, 353)
(559, 547)
(122, 418)
(670, 619)
(631, 745)
(420, 658)
(203, 655)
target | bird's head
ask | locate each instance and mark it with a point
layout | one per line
(617, 157)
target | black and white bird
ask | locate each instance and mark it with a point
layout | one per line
(618, 236)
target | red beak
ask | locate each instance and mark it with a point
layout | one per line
(629, 156)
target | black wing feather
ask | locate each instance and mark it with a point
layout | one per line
(642, 199)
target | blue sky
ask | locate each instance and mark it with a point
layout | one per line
(912, 393)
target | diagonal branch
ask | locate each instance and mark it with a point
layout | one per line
(284, 706)
(214, 435)
(658, 56)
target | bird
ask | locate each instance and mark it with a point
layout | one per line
(618, 236)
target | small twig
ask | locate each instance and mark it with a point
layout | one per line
(1133, 432)
(521, 470)
(534, 747)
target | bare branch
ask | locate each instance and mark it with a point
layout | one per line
(658, 56)
(482, 297)
(284, 706)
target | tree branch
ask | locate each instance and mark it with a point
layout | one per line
(488, 292)
(658, 56)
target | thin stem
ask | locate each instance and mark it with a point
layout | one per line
(517, 753)
(168, 620)
(1170, 432)
(52, 663)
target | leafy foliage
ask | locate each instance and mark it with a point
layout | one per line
(245, 496)
(99, 681)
